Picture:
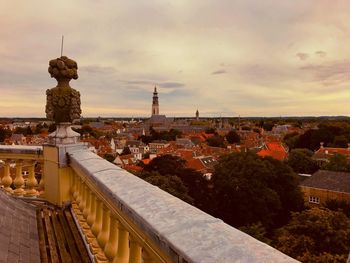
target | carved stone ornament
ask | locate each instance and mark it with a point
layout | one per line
(63, 102)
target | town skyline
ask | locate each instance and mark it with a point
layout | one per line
(225, 58)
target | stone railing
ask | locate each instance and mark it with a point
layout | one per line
(125, 219)
(17, 159)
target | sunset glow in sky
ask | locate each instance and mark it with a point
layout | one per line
(224, 57)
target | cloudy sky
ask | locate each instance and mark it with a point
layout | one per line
(224, 57)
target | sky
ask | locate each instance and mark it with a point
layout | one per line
(222, 57)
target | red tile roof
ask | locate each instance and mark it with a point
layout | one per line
(195, 164)
(274, 150)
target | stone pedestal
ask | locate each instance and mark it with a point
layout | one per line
(64, 134)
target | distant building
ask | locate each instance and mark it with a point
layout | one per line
(155, 146)
(325, 185)
(323, 154)
(156, 119)
(197, 115)
(155, 103)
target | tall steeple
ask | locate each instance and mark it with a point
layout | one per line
(155, 103)
(197, 115)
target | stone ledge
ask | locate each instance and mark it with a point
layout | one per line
(180, 229)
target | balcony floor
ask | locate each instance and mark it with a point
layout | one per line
(59, 237)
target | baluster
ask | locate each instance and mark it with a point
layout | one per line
(146, 257)
(73, 189)
(7, 179)
(92, 215)
(135, 251)
(19, 181)
(103, 236)
(96, 227)
(123, 245)
(83, 197)
(112, 244)
(42, 180)
(79, 193)
(31, 182)
(86, 210)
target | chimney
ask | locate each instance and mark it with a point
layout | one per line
(321, 143)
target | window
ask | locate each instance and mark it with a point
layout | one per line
(313, 199)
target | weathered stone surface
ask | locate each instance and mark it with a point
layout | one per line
(179, 228)
(63, 102)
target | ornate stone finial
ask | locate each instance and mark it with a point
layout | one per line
(63, 102)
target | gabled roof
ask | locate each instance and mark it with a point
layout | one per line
(329, 180)
(326, 152)
(195, 164)
(274, 150)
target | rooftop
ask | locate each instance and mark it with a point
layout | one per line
(329, 180)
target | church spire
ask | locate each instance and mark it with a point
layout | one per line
(155, 102)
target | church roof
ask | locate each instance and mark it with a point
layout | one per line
(158, 119)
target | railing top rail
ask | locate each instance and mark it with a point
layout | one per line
(21, 149)
(180, 229)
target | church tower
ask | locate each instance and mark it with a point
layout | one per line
(197, 115)
(155, 103)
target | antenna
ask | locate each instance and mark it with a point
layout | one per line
(62, 45)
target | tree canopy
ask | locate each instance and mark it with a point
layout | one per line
(232, 137)
(316, 235)
(216, 141)
(334, 134)
(301, 162)
(338, 163)
(249, 189)
(170, 166)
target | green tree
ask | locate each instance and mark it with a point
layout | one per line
(232, 137)
(290, 139)
(340, 141)
(210, 131)
(301, 161)
(4, 133)
(171, 184)
(268, 126)
(109, 157)
(338, 205)
(38, 128)
(216, 141)
(249, 189)
(257, 231)
(197, 186)
(126, 151)
(316, 235)
(338, 163)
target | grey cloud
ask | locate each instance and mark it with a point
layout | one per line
(164, 84)
(330, 74)
(321, 53)
(302, 56)
(220, 71)
(172, 85)
(97, 69)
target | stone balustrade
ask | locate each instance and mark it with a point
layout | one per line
(125, 219)
(122, 217)
(15, 159)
